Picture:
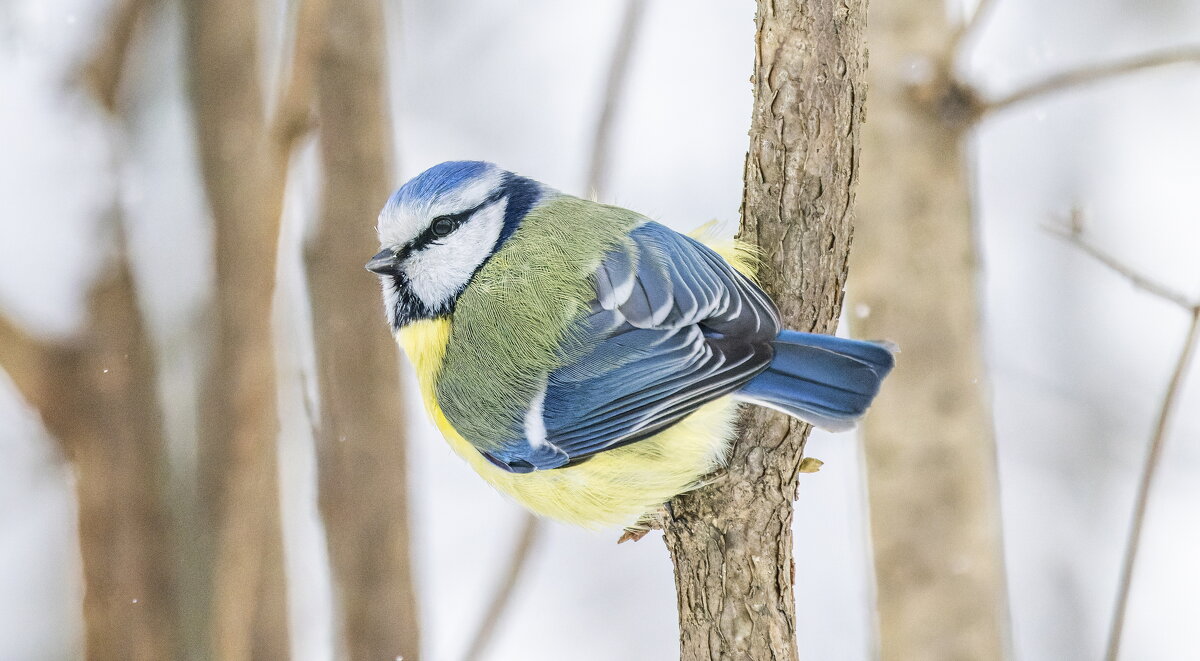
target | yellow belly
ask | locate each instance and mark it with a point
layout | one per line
(613, 487)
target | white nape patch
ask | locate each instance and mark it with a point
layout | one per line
(403, 223)
(437, 272)
(535, 423)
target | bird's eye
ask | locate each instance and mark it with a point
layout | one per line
(443, 226)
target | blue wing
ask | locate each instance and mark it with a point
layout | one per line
(673, 327)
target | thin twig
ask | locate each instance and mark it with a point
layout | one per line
(968, 31)
(1075, 236)
(1094, 74)
(1074, 233)
(614, 90)
(1149, 471)
(530, 531)
(102, 72)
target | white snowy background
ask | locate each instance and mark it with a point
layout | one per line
(1078, 359)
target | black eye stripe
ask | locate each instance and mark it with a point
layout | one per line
(431, 235)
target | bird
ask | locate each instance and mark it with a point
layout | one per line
(585, 360)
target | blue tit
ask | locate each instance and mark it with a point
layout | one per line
(584, 359)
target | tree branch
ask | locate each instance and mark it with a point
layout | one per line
(107, 414)
(245, 173)
(968, 31)
(25, 359)
(358, 429)
(1091, 75)
(502, 597)
(938, 561)
(1074, 234)
(293, 115)
(102, 72)
(731, 540)
(614, 88)
(1149, 471)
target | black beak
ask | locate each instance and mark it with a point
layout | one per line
(384, 263)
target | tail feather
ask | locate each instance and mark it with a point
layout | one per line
(824, 380)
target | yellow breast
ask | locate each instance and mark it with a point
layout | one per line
(614, 487)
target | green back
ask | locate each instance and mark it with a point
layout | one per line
(513, 324)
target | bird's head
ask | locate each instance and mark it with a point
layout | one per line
(438, 229)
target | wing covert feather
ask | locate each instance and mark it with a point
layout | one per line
(672, 328)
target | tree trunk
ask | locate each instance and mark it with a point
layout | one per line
(244, 172)
(731, 541)
(360, 432)
(930, 452)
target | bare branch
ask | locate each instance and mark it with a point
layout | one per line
(104, 409)
(968, 31)
(930, 555)
(358, 424)
(1149, 471)
(293, 113)
(1074, 235)
(24, 358)
(240, 553)
(1094, 74)
(101, 73)
(614, 89)
(503, 595)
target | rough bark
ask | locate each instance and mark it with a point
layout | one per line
(97, 394)
(731, 541)
(244, 172)
(930, 453)
(360, 427)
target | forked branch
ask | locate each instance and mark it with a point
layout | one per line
(293, 115)
(103, 70)
(968, 31)
(1074, 234)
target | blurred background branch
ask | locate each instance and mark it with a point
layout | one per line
(1092, 75)
(930, 450)
(103, 70)
(96, 393)
(359, 430)
(244, 166)
(1075, 234)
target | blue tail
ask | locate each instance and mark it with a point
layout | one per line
(824, 380)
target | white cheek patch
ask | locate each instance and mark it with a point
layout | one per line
(391, 299)
(441, 269)
(402, 223)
